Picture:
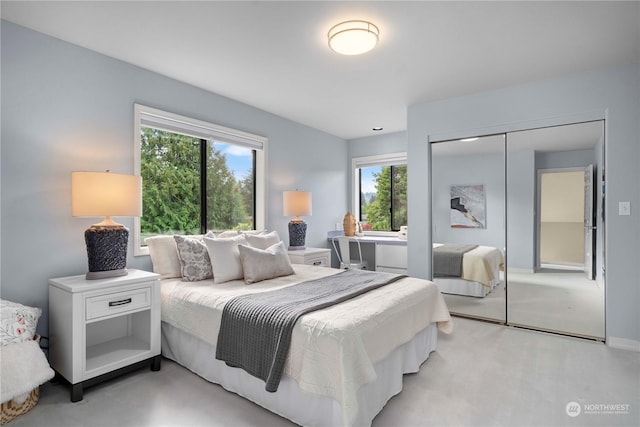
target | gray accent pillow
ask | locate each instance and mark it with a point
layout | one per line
(194, 259)
(263, 264)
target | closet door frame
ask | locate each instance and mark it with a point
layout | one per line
(600, 197)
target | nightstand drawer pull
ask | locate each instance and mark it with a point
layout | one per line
(121, 302)
(318, 261)
(116, 303)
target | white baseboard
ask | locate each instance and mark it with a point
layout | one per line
(520, 270)
(624, 344)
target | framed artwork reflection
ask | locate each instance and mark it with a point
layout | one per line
(468, 207)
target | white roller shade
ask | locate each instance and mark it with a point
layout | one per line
(157, 119)
(392, 159)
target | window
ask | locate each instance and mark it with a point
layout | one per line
(196, 176)
(380, 191)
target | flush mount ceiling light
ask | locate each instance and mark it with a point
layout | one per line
(353, 37)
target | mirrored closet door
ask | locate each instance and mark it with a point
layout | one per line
(469, 225)
(555, 229)
(518, 227)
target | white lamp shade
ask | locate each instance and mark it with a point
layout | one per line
(95, 194)
(353, 37)
(297, 203)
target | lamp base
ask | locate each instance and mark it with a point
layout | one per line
(96, 275)
(106, 251)
(297, 235)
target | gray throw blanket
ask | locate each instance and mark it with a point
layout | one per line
(255, 331)
(447, 259)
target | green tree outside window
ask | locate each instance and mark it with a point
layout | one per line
(387, 209)
(171, 195)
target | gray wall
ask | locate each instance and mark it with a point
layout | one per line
(65, 108)
(565, 159)
(612, 94)
(521, 208)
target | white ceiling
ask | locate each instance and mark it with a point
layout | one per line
(274, 55)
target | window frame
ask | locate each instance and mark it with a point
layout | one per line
(151, 117)
(389, 159)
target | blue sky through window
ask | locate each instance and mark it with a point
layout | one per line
(239, 159)
(368, 182)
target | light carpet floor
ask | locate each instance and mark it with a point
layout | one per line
(481, 375)
(562, 301)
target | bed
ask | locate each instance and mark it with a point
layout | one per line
(480, 272)
(345, 361)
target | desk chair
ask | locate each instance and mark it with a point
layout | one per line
(344, 256)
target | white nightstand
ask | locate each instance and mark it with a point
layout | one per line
(311, 256)
(98, 327)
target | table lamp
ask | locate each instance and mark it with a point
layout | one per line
(106, 194)
(297, 203)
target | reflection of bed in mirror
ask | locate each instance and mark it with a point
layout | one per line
(477, 274)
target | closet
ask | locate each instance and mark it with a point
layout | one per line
(521, 214)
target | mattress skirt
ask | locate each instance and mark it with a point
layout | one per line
(291, 402)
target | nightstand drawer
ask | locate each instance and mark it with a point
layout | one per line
(321, 261)
(120, 302)
(311, 256)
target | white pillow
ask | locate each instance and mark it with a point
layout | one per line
(247, 232)
(228, 233)
(164, 256)
(259, 264)
(17, 322)
(225, 258)
(262, 241)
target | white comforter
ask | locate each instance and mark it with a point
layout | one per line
(480, 264)
(332, 350)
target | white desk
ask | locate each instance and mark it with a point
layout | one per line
(385, 253)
